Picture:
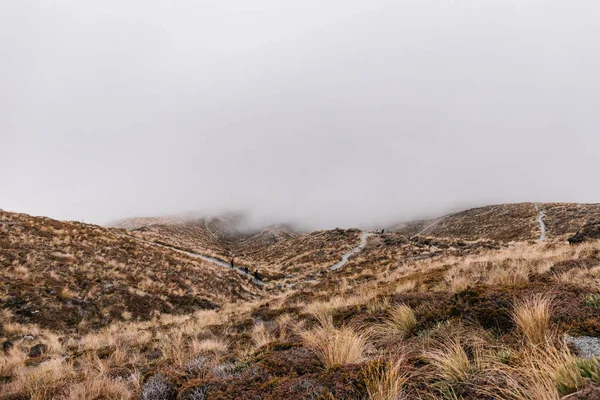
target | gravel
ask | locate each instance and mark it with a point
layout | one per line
(586, 346)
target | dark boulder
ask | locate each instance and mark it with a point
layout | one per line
(38, 350)
(6, 346)
(590, 230)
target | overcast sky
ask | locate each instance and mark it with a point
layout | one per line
(339, 113)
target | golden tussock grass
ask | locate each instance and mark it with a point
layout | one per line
(532, 317)
(43, 381)
(212, 345)
(99, 388)
(284, 323)
(401, 320)
(384, 380)
(261, 335)
(336, 346)
(452, 362)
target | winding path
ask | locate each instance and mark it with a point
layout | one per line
(437, 221)
(357, 249)
(363, 242)
(540, 221)
(213, 260)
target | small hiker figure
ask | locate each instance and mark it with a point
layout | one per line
(232, 265)
(256, 275)
(246, 270)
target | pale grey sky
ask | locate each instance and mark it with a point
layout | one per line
(331, 112)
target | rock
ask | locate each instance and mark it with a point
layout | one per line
(27, 337)
(6, 346)
(591, 230)
(586, 346)
(38, 350)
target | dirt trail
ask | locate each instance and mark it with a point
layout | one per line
(540, 221)
(437, 221)
(223, 264)
(213, 260)
(357, 249)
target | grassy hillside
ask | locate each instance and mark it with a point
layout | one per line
(63, 275)
(505, 222)
(407, 318)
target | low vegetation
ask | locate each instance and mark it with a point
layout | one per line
(407, 318)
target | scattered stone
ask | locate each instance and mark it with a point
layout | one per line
(6, 346)
(38, 350)
(586, 346)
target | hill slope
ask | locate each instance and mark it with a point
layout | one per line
(407, 317)
(505, 222)
(58, 274)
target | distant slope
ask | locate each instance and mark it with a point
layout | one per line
(60, 274)
(294, 257)
(194, 235)
(223, 236)
(278, 251)
(505, 222)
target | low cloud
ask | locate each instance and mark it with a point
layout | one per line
(340, 114)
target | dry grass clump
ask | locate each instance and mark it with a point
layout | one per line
(208, 345)
(402, 319)
(452, 362)
(261, 335)
(545, 371)
(378, 304)
(11, 361)
(400, 323)
(66, 293)
(585, 277)
(324, 309)
(99, 388)
(384, 380)
(509, 276)
(336, 346)
(405, 287)
(43, 381)
(283, 324)
(532, 317)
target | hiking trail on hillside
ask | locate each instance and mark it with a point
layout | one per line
(540, 221)
(212, 260)
(357, 249)
(437, 221)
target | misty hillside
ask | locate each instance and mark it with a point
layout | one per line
(60, 275)
(221, 236)
(473, 308)
(505, 222)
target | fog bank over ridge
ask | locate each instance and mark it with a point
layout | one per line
(349, 114)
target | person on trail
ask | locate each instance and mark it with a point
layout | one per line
(256, 275)
(246, 270)
(232, 265)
